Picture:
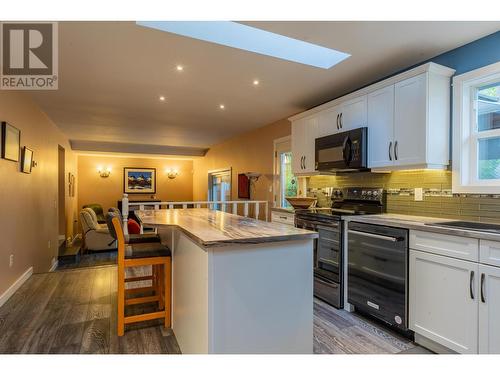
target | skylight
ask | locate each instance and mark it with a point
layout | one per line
(237, 35)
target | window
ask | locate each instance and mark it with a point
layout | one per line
(285, 182)
(476, 131)
(219, 186)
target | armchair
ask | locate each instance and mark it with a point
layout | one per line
(96, 235)
(97, 208)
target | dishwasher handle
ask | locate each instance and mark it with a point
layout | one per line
(377, 236)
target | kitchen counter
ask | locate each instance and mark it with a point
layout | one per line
(239, 285)
(216, 228)
(422, 223)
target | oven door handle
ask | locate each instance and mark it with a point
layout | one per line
(373, 235)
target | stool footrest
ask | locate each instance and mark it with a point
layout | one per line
(136, 301)
(143, 317)
(138, 290)
(138, 278)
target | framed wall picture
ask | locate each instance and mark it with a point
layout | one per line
(71, 184)
(26, 160)
(243, 186)
(11, 142)
(139, 180)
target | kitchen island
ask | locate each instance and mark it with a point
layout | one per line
(239, 285)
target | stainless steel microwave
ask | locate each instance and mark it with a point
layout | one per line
(346, 151)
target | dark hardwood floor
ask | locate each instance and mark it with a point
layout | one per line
(342, 332)
(88, 259)
(74, 311)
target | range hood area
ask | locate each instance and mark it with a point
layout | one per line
(383, 127)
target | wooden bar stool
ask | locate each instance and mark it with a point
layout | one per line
(152, 254)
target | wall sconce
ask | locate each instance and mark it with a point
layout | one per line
(172, 173)
(104, 172)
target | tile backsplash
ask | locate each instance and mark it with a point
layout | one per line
(399, 186)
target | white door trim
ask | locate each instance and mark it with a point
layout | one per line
(276, 187)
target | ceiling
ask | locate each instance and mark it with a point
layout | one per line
(111, 75)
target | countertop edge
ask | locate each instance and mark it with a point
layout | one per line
(402, 222)
(242, 241)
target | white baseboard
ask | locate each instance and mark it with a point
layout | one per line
(17, 284)
(55, 263)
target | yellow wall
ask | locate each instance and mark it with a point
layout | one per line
(107, 191)
(250, 152)
(29, 216)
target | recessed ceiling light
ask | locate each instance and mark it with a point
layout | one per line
(162, 98)
(222, 106)
(252, 39)
(180, 68)
(256, 82)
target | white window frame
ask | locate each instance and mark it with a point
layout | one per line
(465, 133)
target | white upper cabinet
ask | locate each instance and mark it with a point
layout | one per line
(328, 121)
(348, 115)
(420, 122)
(304, 133)
(381, 127)
(298, 136)
(353, 114)
(410, 121)
(311, 130)
(407, 115)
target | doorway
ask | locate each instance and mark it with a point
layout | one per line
(61, 194)
(219, 186)
(285, 182)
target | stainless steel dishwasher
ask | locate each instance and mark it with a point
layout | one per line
(377, 272)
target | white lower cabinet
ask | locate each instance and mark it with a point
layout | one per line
(489, 310)
(283, 217)
(443, 298)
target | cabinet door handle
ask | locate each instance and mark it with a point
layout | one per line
(483, 299)
(301, 162)
(341, 120)
(390, 150)
(396, 150)
(338, 121)
(471, 285)
(304, 162)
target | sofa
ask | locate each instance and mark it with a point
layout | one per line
(96, 236)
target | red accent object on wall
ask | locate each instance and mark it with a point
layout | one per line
(243, 186)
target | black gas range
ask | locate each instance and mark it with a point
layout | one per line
(329, 247)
